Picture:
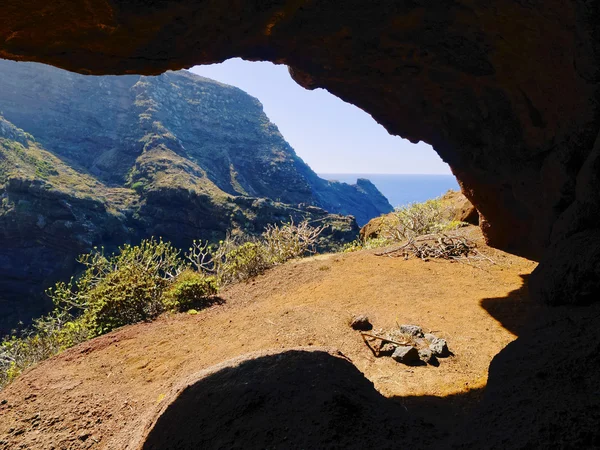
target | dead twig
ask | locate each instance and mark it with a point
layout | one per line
(440, 246)
(395, 249)
(383, 339)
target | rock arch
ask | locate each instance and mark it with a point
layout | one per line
(505, 91)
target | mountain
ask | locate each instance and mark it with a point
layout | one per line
(99, 161)
(138, 130)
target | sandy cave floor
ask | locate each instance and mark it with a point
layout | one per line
(98, 394)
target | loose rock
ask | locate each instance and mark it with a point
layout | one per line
(406, 354)
(428, 357)
(420, 343)
(413, 330)
(425, 354)
(430, 337)
(439, 347)
(361, 323)
(84, 435)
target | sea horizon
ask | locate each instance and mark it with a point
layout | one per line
(401, 189)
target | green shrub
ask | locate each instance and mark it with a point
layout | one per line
(138, 186)
(415, 219)
(246, 261)
(121, 289)
(453, 225)
(191, 289)
(369, 244)
(47, 336)
(125, 296)
(232, 261)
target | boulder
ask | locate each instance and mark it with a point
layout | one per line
(372, 229)
(387, 349)
(460, 208)
(406, 354)
(430, 337)
(439, 347)
(427, 356)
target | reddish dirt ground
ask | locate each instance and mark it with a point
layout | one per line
(99, 394)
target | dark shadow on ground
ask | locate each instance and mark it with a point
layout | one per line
(515, 311)
(439, 416)
(300, 399)
(204, 303)
(543, 389)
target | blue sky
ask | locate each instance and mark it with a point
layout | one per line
(330, 135)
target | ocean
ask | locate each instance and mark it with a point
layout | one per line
(402, 189)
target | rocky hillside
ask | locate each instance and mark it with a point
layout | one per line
(99, 161)
(176, 129)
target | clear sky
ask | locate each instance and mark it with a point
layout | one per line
(331, 136)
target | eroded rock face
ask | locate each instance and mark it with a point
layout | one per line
(506, 92)
(463, 209)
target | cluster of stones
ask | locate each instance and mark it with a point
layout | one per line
(426, 347)
(418, 347)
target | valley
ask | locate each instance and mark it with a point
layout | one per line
(102, 161)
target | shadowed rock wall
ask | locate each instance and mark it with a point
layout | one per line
(505, 91)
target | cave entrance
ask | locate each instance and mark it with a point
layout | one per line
(120, 159)
(336, 139)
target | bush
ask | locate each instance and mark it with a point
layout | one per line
(127, 295)
(290, 241)
(246, 261)
(407, 222)
(190, 289)
(121, 289)
(46, 337)
(138, 186)
(417, 219)
(140, 282)
(233, 261)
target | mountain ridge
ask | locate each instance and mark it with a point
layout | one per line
(102, 161)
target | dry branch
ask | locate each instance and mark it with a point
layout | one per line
(439, 246)
(364, 335)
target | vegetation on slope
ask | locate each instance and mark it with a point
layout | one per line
(407, 222)
(139, 283)
(23, 160)
(113, 160)
(53, 210)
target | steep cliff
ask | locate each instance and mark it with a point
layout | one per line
(109, 160)
(149, 131)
